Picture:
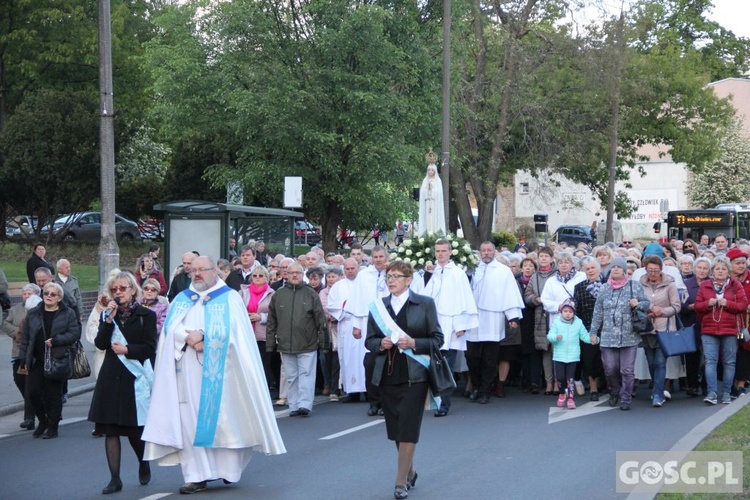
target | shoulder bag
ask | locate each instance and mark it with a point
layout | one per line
(79, 361)
(679, 341)
(441, 376)
(640, 319)
(57, 368)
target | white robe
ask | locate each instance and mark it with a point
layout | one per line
(449, 288)
(246, 421)
(431, 209)
(497, 297)
(351, 351)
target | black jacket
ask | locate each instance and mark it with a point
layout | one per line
(113, 401)
(422, 325)
(35, 263)
(179, 283)
(235, 280)
(65, 331)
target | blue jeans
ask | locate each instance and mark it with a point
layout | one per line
(711, 346)
(657, 365)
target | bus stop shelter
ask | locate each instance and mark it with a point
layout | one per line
(206, 226)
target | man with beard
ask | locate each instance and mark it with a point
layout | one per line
(497, 297)
(210, 406)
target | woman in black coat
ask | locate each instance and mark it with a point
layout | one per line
(54, 326)
(403, 381)
(127, 334)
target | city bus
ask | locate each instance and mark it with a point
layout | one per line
(731, 219)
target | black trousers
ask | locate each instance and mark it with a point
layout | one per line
(482, 360)
(373, 391)
(20, 381)
(45, 394)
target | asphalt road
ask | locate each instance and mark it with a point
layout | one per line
(519, 447)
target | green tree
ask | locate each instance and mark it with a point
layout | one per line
(728, 179)
(51, 153)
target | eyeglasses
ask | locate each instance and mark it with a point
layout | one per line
(258, 275)
(149, 289)
(120, 289)
(687, 247)
(203, 269)
(653, 271)
(627, 242)
(394, 276)
(50, 294)
(294, 272)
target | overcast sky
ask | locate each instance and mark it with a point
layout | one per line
(733, 15)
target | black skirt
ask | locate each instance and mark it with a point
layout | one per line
(742, 366)
(403, 407)
(119, 430)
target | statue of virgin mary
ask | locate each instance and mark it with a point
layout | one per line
(431, 212)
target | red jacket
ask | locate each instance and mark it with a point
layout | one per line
(721, 320)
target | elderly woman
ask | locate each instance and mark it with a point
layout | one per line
(685, 264)
(532, 297)
(127, 334)
(584, 296)
(560, 287)
(12, 327)
(157, 303)
(531, 358)
(613, 322)
(701, 268)
(147, 270)
(412, 329)
(721, 302)
(661, 291)
(604, 255)
(256, 297)
(53, 327)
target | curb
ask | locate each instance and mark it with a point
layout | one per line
(74, 391)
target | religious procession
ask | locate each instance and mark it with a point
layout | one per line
(193, 373)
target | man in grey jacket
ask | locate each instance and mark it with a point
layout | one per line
(296, 328)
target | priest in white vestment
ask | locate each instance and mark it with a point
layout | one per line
(351, 351)
(498, 298)
(210, 406)
(369, 286)
(449, 287)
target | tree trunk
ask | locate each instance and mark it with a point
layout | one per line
(619, 41)
(330, 226)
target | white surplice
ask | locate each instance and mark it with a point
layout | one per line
(351, 351)
(497, 297)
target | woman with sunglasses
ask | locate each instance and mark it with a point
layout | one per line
(691, 247)
(51, 325)
(256, 296)
(127, 333)
(157, 303)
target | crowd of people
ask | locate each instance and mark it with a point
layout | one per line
(556, 320)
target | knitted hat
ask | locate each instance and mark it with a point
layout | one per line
(568, 303)
(619, 262)
(653, 249)
(736, 253)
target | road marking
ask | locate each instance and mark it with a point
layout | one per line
(3, 436)
(156, 496)
(561, 414)
(68, 421)
(353, 429)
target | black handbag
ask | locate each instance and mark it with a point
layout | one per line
(441, 374)
(57, 368)
(641, 321)
(79, 361)
(679, 341)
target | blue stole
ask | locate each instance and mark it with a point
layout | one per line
(215, 346)
(390, 328)
(143, 373)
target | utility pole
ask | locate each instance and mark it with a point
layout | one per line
(446, 143)
(109, 252)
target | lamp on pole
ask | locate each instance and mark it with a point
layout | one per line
(446, 142)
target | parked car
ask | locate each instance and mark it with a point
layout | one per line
(151, 229)
(306, 233)
(20, 227)
(88, 226)
(573, 235)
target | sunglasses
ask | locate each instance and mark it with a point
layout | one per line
(50, 294)
(149, 289)
(627, 242)
(120, 289)
(258, 275)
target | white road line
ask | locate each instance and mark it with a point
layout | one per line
(68, 421)
(156, 496)
(3, 436)
(562, 414)
(353, 429)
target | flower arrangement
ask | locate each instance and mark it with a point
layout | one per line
(419, 251)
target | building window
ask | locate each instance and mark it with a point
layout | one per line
(524, 188)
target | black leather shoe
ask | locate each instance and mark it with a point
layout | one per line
(294, 413)
(190, 488)
(594, 396)
(144, 473)
(27, 424)
(372, 411)
(613, 399)
(50, 434)
(411, 482)
(442, 412)
(474, 396)
(303, 412)
(483, 399)
(113, 486)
